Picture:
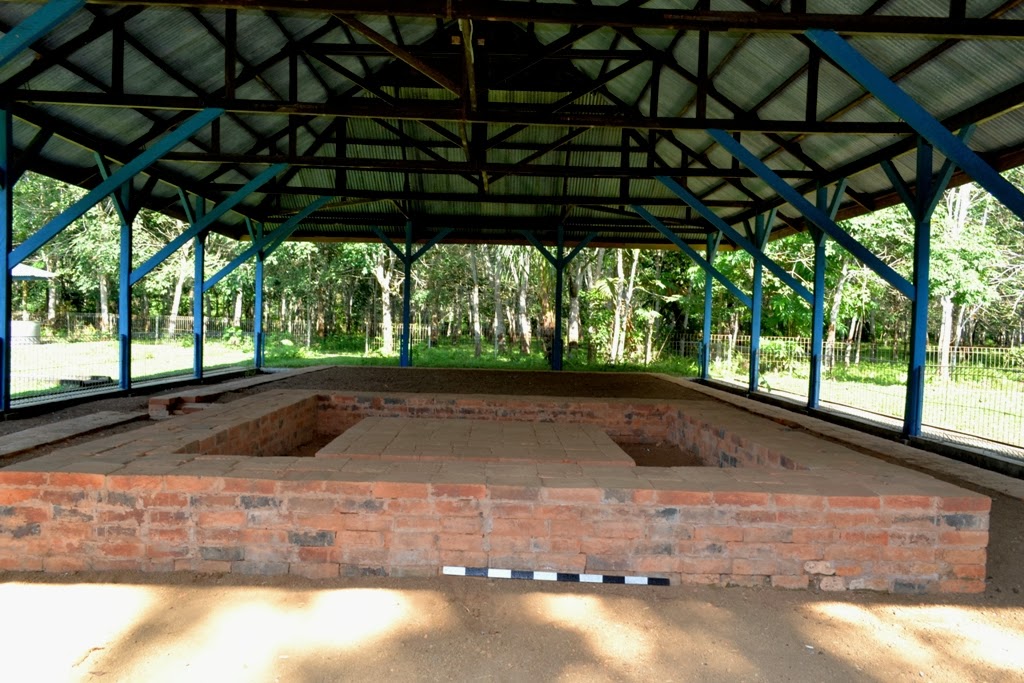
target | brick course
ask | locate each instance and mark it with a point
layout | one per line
(187, 494)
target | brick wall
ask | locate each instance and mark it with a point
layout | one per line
(813, 514)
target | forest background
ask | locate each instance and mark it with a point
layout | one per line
(493, 306)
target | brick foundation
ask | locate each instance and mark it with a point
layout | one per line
(779, 508)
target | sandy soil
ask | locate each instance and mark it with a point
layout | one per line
(128, 627)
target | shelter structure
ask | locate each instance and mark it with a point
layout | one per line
(695, 124)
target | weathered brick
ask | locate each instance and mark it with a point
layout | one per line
(318, 570)
(311, 538)
(222, 554)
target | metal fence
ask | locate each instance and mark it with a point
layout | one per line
(976, 391)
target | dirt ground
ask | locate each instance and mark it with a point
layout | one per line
(131, 627)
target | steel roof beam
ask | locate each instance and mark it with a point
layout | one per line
(512, 199)
(813, 214)
(924, 123)
(628, 17)
(433, 110)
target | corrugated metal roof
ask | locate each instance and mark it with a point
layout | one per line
(756, 76)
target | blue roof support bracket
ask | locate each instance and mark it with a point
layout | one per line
(694, 256)
(408, 257)
(203, 223)
(904, 106)
(921, 203)
(818, 305)
(757, 252)
(760, 234)
(112, 184)
(559, 260)
(38, 24)
(267, 244)
(816, 216)
(6, 242)
(126, 210)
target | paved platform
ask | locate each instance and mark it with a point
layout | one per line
(434, 439)
(195, 398)
(55, 432)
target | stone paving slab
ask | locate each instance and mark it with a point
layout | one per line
(44, 435)
(401, 438)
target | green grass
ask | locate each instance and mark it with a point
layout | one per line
(38, 368)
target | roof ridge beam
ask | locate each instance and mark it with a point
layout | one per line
(630, 17)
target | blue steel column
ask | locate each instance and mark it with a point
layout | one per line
(6, 242)
(913, 413)
(124, 300)
(197, 295)
(405, 357)
(817, 318)
(705, 342)
(556, 342)
(760, 236)
(257, 307)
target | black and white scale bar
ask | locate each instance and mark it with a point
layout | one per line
(490, 573)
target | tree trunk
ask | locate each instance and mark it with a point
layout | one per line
(179, 286)
(828, 355)
(573, 334)
(620, 287)
(649, 341)
(474, 303)
(51, 292)
(236, 318)
(523, 319)
(499, 316)
(627, 306)
(849, 340)
(383, 270)
(959, 203)
(104, 283)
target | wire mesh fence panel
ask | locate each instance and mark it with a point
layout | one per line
(978, 391)
(973, 391)
(53, 369)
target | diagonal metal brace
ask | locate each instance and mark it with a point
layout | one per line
(811, 212)
(269, 243)
(733, 234)
(123, 175)
(203, 224)
(694, 256)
